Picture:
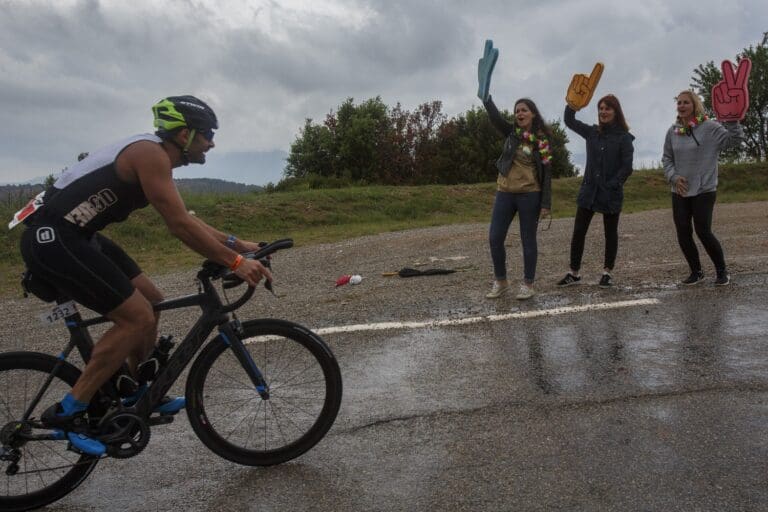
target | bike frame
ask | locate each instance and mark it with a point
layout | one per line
(214, 315)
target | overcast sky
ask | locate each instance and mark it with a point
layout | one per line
(78, 74)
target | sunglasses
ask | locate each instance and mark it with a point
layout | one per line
(207, 134)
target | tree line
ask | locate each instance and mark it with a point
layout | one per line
(371, 143)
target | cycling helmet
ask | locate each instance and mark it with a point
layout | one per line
(183, 112)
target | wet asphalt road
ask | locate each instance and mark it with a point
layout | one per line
(659, 408)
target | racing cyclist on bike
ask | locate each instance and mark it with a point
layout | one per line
(62, 245)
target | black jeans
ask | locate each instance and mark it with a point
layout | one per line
(695, 213)
(580, 228)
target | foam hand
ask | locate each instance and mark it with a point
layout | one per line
(582, 87)
(730, 96)
(485, 69)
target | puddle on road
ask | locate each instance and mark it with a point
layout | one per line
(677, 345)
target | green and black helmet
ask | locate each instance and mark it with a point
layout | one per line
(183, 112)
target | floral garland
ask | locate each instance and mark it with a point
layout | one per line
(542, 143)
(693, 123)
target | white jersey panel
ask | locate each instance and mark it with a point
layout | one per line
(99, 158)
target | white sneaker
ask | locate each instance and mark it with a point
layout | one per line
(497, 291)
(526, 292)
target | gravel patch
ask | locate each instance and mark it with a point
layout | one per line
(649, 260)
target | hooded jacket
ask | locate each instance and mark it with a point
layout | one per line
(609, 164)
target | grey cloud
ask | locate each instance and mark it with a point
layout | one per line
(76, 75)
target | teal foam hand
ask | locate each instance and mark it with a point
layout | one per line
(485, 69)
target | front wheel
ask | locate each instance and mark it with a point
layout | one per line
(46, 469)
(233, 420)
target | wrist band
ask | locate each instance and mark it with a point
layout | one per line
(237, 262)
(231, 239)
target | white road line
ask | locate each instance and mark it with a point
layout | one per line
(383, 326)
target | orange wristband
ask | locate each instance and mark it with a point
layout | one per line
(237, 262)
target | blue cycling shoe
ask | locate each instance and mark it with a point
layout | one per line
(86, 444)
(166, 406)
(72, 426)
(170, 405)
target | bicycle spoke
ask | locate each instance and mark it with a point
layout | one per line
(56, 452)
(274, 409)
(229, 436)
(286, 402)
(230, 377)
(46, 470)
(295, 374)
(283, 384)
(304, 395)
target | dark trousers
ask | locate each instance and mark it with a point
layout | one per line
(580, 228)
(695, 213)
(506, 206)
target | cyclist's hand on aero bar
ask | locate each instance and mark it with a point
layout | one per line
(251, 271)
(252, 246)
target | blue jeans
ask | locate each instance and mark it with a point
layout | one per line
(505, 207)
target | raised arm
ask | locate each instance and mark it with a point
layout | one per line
(501, 124)
(728, 135)
(569, 117)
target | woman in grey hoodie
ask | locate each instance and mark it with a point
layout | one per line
(691, 150)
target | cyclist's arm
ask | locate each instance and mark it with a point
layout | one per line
(239, 245)
(153, 171)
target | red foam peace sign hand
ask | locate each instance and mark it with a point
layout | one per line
(730, 97)
(582, 87)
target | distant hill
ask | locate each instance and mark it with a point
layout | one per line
(18, 195)
(207, 185)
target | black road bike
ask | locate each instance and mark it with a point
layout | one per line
(261, 392)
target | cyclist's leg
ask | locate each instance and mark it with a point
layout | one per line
(153, 296)
(134, 323)
(140, 281)
(71, 261)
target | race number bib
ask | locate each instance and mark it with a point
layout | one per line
(32, 206)
(59, 312)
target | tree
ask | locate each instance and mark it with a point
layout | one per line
(562, 167)
(310, 153)
(371, 143)
(756, 121)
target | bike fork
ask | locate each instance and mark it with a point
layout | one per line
(234, 342)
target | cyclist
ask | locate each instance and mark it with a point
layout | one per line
(63, 246)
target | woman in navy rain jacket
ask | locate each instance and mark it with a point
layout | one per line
(609, 164)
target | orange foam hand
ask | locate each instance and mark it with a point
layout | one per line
(582, 87)
(730, 96)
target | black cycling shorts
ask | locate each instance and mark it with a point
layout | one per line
(89, 268)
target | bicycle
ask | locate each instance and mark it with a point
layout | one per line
(286, 374)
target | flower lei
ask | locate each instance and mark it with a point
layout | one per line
(542, 143)
(693, 123)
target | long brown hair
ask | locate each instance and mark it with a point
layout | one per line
(613, 102)
(538, 126)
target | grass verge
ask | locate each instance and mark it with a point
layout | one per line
(329, 215)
